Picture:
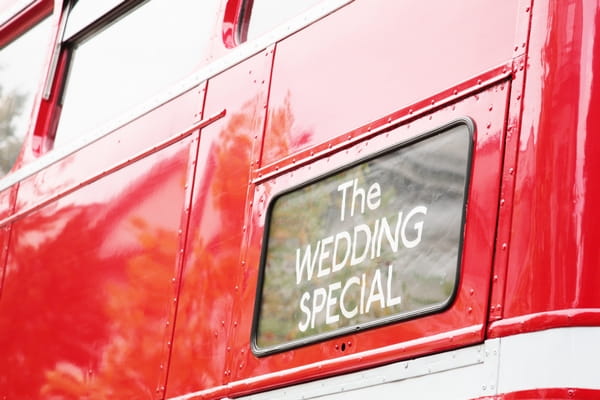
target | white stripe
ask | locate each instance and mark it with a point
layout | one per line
(554, 358)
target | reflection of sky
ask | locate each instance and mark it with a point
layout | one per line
(20, 69)
(132, 60)
(267, 14)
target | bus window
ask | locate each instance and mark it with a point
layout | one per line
(21, 64)
(130, 60)
(261, 16)
(372, 244)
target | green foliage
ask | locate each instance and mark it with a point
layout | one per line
(11, 105)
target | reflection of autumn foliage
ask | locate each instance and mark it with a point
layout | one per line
(216, 232)
(47, 313)
(88, 292)
(135, 315)
(84, 316)
(280, 137)
(204, 327)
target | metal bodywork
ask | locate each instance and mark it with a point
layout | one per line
(129, 261)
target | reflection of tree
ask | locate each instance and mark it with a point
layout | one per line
(82, 315)
(76, 323)
(135, 316)
(216, 235)
(44, 317)
(429, 173)
(281, 139)
(11, 106)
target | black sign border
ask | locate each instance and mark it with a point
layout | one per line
(262, 352)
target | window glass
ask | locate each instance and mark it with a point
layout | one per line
(264, 15)
(375, 243)
(84, 12)
(21, 66)
(133, 59)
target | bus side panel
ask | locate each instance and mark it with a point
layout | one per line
(373, 57)
(228, 150)
(461, 324)
(553, 270)
(88, 294)
(6, 204)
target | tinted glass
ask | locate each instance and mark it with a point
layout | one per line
(132, 60)
(21, 67)
(375, 243)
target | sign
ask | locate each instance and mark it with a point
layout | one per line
(377, 242)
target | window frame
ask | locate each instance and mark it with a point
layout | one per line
(380, 322)
(42, 153)
(16, 21)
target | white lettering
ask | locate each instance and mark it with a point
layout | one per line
(342, 188)
(391, 301)
(376, 293)
(409, 244)
(310, 266)
(331, 301)
(352, 313)
(318, 305)
(303, 325)
(374, 196)
(339, 237)
(324, 255)
(355, 244)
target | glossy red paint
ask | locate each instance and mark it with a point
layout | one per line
(23, 18)
(460, 325)
(380, 62)
(129, 267)
(231, 23)
(7, 202)
(92, 262)
(210, 282)
(544, 320)
(553, 253)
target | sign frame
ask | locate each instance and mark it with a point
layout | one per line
(379, 322)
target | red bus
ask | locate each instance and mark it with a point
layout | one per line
(295, 200)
